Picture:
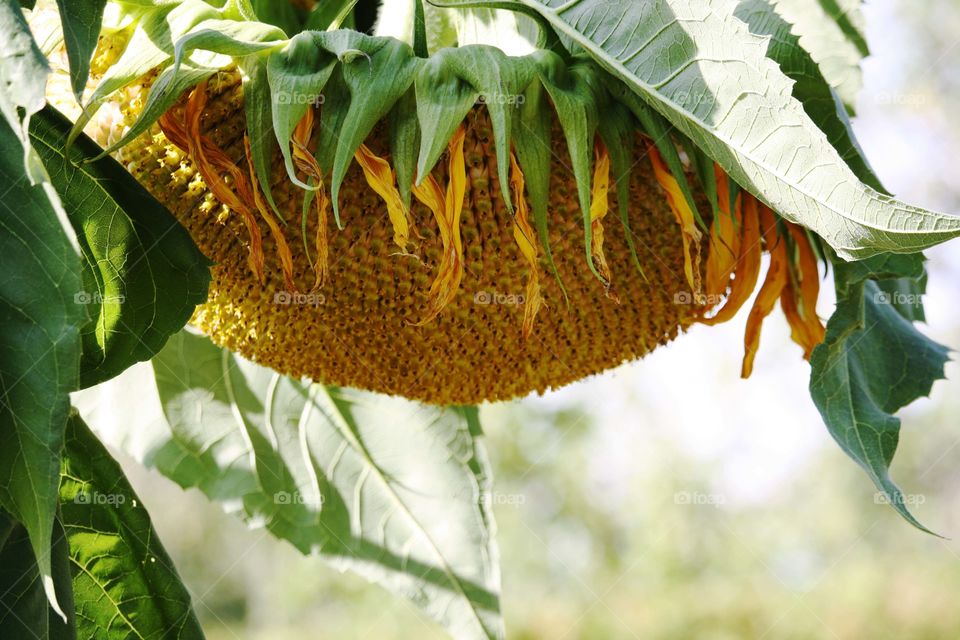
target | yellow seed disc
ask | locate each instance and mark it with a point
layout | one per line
(360, 330)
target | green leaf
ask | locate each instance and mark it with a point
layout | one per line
(142, 274)
(40, 325)
(124, 582)
(873, 363)
(495, 79)
(23, 82)
(297, 76)
(151, 45)
(662, 134)
(405, 142)
(281, 14)
(819, 100)
(618, 131)
(700, 67)
(331, 14)
(24, 610)
(81, 29)
(832, 31)
(198, 54)
(443, 101)
(259, 111)
(390, 489)
(534, 122)
(376, 72)
(576, 97)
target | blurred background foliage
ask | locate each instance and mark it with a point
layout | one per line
(668, 499)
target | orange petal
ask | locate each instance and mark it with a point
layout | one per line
(209, 159)
(685, 218)
(724, 240)
(748, 263)
(524, 235)
(800, 302)
(283, 249)
(776, 280)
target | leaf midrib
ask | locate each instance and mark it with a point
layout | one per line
(648, 91)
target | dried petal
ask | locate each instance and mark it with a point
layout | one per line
(381, 179)
(685, 218)
(776, 280)
(447, 209)
(748, 263)
(724, 240)
(523, 233)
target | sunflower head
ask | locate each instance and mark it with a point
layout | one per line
(453, 227)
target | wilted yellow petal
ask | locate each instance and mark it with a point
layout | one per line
(724, 240)
(524, 235)
(599, 206)
(685, 218)
(380, 177)
(447, 209)
(799, 301)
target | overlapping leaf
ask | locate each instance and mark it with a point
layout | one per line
(23, 81)
(24, 610)
(40, 324)
(124, 582)
(873, 363)
(142, 273)
(832, 31)
(821, 103)
(388, 488)
(81, 29)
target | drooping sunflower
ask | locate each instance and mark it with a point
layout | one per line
(461, 201)
(434, 218)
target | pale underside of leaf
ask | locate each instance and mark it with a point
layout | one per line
(698, 65)
(324, 469)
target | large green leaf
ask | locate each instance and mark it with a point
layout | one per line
(387, 488)
(23, 81)
(281, 14)
(702, 68)
(832, 31)
(142, 276)
(40, 325)
(124, 583)
(819, 100)
(873, 363)
(24, 610)
(81, 29)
